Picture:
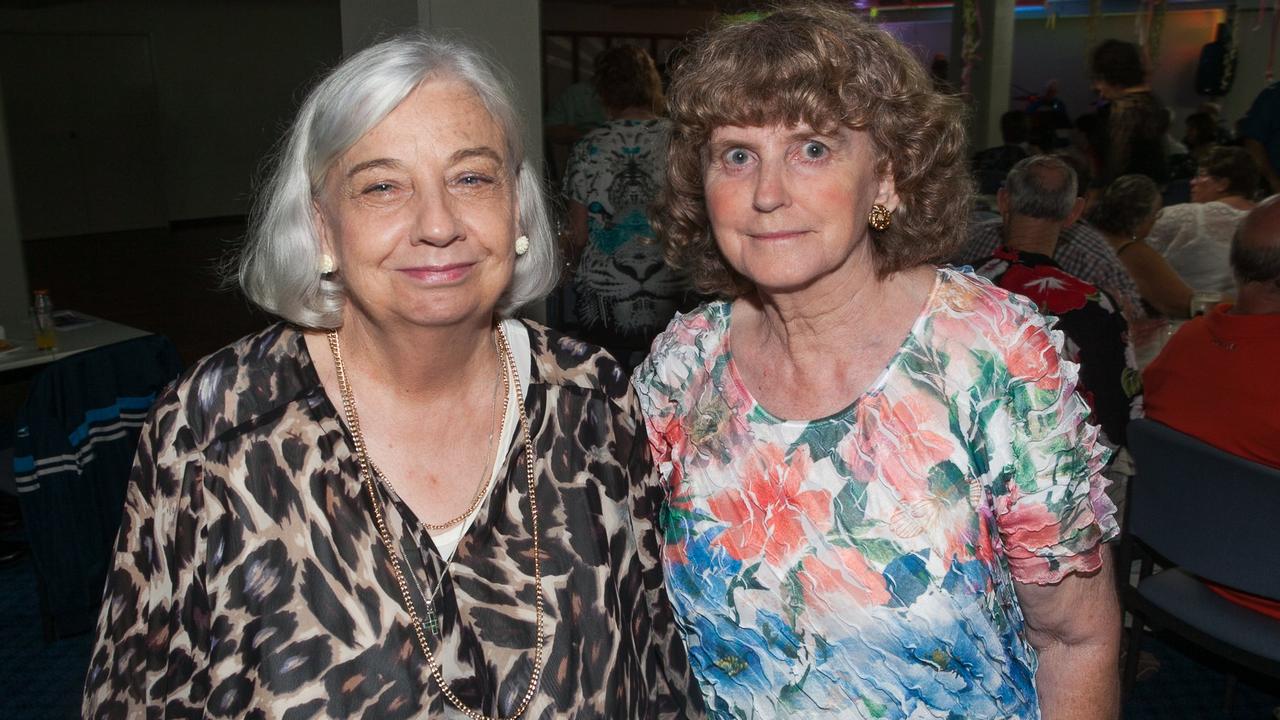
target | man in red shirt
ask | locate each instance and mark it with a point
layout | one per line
(1216, 380)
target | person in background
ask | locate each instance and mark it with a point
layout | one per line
(1081, 250)
(1037, 202)
(1124, 214)
(1200, 137)
(883, 496)
(1195, 237)
(1134, 120)
(1259, 131)
(625, 292)
(991, 165)
(1216, 379)
(398, 501)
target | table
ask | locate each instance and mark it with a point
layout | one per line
(71, 340)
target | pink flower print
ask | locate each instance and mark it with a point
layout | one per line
(893, 443)
(827, 587)
(768, 513)
(1031, 357)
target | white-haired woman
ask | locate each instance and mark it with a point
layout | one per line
(394, 502)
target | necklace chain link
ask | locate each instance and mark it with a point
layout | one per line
(397, 564)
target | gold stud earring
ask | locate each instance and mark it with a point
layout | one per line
(326, 264)
(522, 244)
(879, 218)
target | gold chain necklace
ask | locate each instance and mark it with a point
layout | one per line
(357, 436)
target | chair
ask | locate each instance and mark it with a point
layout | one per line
(76, 438)
(1202, 514)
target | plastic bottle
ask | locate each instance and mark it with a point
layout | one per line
(42, 316)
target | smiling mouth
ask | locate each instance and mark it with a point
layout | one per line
(777, 235)
(439, 274)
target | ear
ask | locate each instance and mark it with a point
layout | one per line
(887, 191)
(1076, 211)
(323, 232)
(1002, 201)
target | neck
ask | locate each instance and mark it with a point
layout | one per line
(422, 362)
(631, 113)
(1032, 235)
(820, 321)
(1236, 201)
(1257, 299)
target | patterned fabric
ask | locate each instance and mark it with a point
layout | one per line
(249, 581)
(1082, 251)
(626, 293)
(1196, 240)
(1133, 143)
(863, 565)
(1097, 337)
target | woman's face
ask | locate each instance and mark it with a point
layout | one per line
(420, 214)
(788, 205)
(1207, 188)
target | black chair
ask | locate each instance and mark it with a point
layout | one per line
(1201, 514)
(77, 435)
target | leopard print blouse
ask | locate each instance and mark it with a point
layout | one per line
(249, 580)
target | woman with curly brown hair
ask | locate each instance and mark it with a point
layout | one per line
(883, 497)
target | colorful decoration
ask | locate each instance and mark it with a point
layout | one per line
(969, 43)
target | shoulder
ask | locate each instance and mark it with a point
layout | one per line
(688, 349)
(237, 384)
(566, 362)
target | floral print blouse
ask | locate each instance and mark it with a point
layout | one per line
(863, 564)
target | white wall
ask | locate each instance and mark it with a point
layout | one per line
(227, 78)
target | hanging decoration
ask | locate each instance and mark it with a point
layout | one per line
(969, 43)
(1233, 49)
(1159, 8)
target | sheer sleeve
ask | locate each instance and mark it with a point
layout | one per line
(667, 667)
(1049, 497)
(151, 656)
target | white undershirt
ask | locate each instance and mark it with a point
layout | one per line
(446, 541)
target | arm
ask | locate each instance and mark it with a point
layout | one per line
(1074, 626)
(155, 611)
(1158, 283)
(666, 663)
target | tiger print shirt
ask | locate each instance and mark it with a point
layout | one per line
(249, 580)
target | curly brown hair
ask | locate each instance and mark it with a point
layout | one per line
(625, 77)
(825, 67)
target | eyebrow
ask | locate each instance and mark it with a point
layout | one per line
(371, 164)
(482, 151)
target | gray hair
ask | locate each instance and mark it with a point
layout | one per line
(279, 266)
(1041, 186)
(1126, 203)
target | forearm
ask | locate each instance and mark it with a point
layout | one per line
(1158, 283)
(1080, 681)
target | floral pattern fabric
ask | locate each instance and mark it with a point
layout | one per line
(863, 564)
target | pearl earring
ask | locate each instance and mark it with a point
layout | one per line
(522, 244)
(326, 264)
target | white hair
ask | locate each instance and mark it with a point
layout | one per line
(279, 266)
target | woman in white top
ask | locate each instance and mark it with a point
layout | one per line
(1195, 237)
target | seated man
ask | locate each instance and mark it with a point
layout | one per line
(1038, 201)
(1081, 250)
(1216, 379)
(991, 165)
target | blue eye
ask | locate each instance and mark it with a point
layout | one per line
(814, 150)
(737, 156)
(379, 188)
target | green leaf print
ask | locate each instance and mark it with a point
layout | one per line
(1131, 381)
(948, 482)
(849, 508)
(823, 440)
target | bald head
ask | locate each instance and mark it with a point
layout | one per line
(1255, 249)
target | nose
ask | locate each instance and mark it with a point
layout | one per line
(437, 221)
(771, 190)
